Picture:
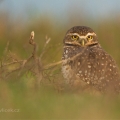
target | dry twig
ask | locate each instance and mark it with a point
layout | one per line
(36, 61)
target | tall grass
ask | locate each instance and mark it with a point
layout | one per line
(21, 97)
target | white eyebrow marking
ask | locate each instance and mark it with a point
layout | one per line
(82, 36)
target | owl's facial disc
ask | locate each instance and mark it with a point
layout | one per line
(81, 40)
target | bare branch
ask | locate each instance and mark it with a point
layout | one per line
(7, 64)
(6, 48)
(43, 51)
(31, 41)
(52, 65)
(67, 60)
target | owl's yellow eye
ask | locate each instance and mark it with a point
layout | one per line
(74, 37)
(90, 37)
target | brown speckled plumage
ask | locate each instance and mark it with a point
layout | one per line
(88, 64)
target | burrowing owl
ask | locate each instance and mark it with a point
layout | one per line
(85, 63)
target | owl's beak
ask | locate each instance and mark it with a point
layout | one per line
(82, 42)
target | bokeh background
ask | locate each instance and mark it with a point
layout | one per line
(53, 18)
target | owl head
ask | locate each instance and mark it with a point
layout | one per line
(80, 36)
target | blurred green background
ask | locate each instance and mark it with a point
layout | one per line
(53, 18)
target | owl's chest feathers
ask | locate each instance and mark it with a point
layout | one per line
(70, 56)
(75, 59)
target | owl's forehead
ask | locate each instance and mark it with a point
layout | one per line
(81, 30)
